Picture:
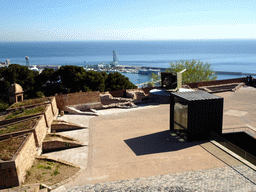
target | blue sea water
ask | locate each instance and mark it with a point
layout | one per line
(223, 55)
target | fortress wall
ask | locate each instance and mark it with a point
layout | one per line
(77, 99)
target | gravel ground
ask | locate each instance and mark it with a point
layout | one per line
(236, 178)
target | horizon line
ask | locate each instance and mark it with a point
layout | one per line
(109, 40)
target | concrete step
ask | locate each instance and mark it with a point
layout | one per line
(76, 156)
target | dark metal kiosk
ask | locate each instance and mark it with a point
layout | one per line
(194, 114)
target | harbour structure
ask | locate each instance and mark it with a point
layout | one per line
(33, 68)
(115, 59)
(149, 71)
(5, 64)
(99, 66)
(27, 60)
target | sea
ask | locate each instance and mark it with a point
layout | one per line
(232, 55)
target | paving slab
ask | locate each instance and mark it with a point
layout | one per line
(138, 144)
(116, 111)
(134, 145)
(82, 120)
(239, 107)
(78, 155)
(81, 135)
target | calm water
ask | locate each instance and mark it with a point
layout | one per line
(223, 55)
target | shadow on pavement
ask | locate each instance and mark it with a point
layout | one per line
(158, 143)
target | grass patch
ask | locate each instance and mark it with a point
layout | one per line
(8, 147)
(23, 112)
(29, 124)
(40, 173)
(30, 102)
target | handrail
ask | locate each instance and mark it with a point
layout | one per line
(226, 143)
(243, 129)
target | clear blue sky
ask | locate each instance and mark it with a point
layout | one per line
(69, 20)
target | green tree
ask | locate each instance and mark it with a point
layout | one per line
(95, 81)
(71, 77)
(154, 80)
(117, 81)
(22, 75)
(196, 71)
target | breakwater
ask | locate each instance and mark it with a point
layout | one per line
(216, 72)
(233, 73)
(162, 69)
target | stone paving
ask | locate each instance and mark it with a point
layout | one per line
(195, 167)
(78, 155)
(235, 178)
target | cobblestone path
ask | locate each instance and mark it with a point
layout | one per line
(236, 178)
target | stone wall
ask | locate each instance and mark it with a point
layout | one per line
(8, 121)
(136, 94)
(53, 109)
(77, 99)
(25, 156)
(64, 126)
(107, 99)
(147, 89)
(8, 174)
(87, 106)
(59, 145)
(217, 82)
(119, 93)
(48, 113)
(12, 173)
(41, 130)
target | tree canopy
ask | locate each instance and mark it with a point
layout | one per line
(196, 71)
(117, 81)
(67, 79)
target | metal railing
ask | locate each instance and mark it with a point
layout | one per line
(242, 153)
(246, 129)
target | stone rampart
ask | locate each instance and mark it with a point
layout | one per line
(135, 94)
(13, 172)
(53, 108)
(216, 82)
(40, 130)
(80, 98)
(25, 156)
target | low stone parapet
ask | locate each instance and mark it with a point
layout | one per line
(49, 146)
(60, 125)
(13, 172)
(135, 94)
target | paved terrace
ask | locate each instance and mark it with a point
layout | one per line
(132, 150)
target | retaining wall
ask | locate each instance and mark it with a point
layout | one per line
(59, 145)
(52, 105)
(64, 126)
(136, 94)
(25, 156)
(28, 106)
(119, 93)
(40, 130)
(217, 82)
(77, 99)
(13, 172)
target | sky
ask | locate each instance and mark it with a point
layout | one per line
(85, 20)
